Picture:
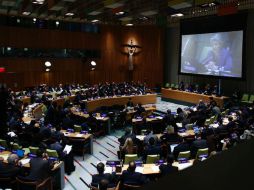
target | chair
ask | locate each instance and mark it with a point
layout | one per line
(15, 146)
(251, 100)
(77, 128)
(189, 126)
(203, 151)
(37, 185)
(212, 119)
(3, 143)
(172, 85)
(185, 154)
(33, 149)
(176, 86)
(167, 85)
(207, 122)
(6, 182)
(130, 157)
(52, 153)
(151, 159)
(245, 98)
(128, 186)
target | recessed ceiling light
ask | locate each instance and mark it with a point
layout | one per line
(34, 19)
(95, 21)
(57, 23)
(120, 13)
(8, 48)
(26, 13)
(47, 70)
(129, 24)
(47, 64)
(69, 14)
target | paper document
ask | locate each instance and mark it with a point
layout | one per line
(4, 156)
(139, 169)
(184, 165)
(25, 161)
(108, 169)
(78, 135)
(67, 148)
(155, 168)
(140, 137)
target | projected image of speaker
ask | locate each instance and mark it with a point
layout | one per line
(216, 54)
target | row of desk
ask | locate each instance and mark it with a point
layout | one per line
(190, 97)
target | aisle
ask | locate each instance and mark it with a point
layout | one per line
(105, 148)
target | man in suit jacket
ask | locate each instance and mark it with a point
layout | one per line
(182, 147)
(199, 143)
(40, 168)
(166, 169)
(131, 177)
(10, 169)
(97, 178)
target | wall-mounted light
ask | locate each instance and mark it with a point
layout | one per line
(93, 63)
(47, 64)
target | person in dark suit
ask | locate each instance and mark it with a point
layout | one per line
(130, 103)
(182, 147)
(10, 169)
(97, 178)
(169, 119)
(131, 177)
(199, 143)
(152, 149)
(40, 168)
(166, 169)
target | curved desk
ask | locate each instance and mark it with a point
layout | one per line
(190, 97)
(92, 105)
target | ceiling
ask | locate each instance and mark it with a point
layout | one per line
(137, 12)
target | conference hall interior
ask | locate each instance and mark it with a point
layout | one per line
(126, 94)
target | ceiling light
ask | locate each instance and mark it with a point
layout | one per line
(69, 14)
(25, 49)
(34, 19)
(18, 20)
(8, 48)
(47, 64)
(57, 23)
(26, 13)
(120, 13)
(92, 68)
(47, 70)
(93, 63)
(177, 15)
(95, 21)
(129, 24)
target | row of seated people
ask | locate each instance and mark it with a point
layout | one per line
(128, 177)
(39, 172)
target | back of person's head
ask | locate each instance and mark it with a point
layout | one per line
(103, 184)
(230, 118)
(170, 159)
(100, 168)
(127, 131)
(132, 166)
(169, 111)
(12, 159)
(39, 153)
(170, 129)
(151, 141)
(179, 110)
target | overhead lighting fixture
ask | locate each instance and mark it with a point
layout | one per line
(8, 48)
(93, 69)
(26, 13)
(129, 24)
(18, 20)
(34, 19)
(57, 23)
(119, 13)
(69, 14)
(177, 15)
(47, 64)
(25, 49)
(47, 70)
(93, 63)
(93, 21)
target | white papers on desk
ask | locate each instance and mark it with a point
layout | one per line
(156, 169)
(25, 161)
(139, 169)
(140, 137)
(78, 135)
(4, 156)
(180, 125)
(184, 165)
(108, 169)
(11, 134)
(159, 117)
(67, 148)
(215, 125)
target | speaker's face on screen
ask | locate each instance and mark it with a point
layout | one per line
(216, 45)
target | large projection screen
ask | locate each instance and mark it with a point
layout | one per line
(215, 54)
